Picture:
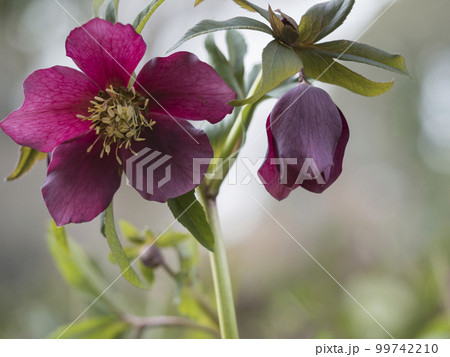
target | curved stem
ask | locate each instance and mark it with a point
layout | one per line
(221, 276)
(143, 323)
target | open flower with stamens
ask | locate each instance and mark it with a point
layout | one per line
(95, 120)
(307, 136)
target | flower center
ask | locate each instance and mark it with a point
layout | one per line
(118, 118)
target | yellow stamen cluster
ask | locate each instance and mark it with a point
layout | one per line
(118, 117)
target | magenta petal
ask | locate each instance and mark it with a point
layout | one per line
(53, 98)
(108, 53)
(336, 169)
(164, 166)
(185, 87)
(269, 174)
(80, 185)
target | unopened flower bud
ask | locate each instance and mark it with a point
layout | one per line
(151, 257)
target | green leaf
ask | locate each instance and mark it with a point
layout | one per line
(439, 327)
(102, 327)
(207, 26)
(253, 8)
(322, 19)
(118, 251)
(189, 306)
(358, 52)
(325, 69)
(198, 2)
(279, 62)
(237, 49)
(171, 238)
(252, 76)
(222, 66)
(190, 213)
(75, 266)
(130, 232)
(28, 158)
(142, 18)
(96, 4)
(147, 273)
(112, 10)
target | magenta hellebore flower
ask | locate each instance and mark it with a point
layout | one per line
(307, 135)
(91, 123)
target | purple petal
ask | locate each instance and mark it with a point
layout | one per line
(269, 173)
(53, 98)
(108, 53)
(185, 87)
(336, 169)
(306, 125)
(80, 185)
(165, 166)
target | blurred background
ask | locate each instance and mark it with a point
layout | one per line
(382, 230)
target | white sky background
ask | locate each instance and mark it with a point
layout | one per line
(169, 23)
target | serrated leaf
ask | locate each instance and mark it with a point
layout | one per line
(96, 4)
(358, 52)
(322, 19)
(207, 26)
(279, 62)
(253, 8)
(325, 69)
(142, 18)
(190, 213)
(112, 10)
(28, 158)
(117, 250)
(102, 327)
(171, 238)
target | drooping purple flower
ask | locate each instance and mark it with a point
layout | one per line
(307, 135)
(92, 123)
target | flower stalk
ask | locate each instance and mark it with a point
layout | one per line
(234, 141)
(221, 276)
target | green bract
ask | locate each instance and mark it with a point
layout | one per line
(296, 47)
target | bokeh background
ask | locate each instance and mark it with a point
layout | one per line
(382, 231)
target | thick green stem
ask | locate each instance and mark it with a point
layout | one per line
(221, 276)
(234, 141)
